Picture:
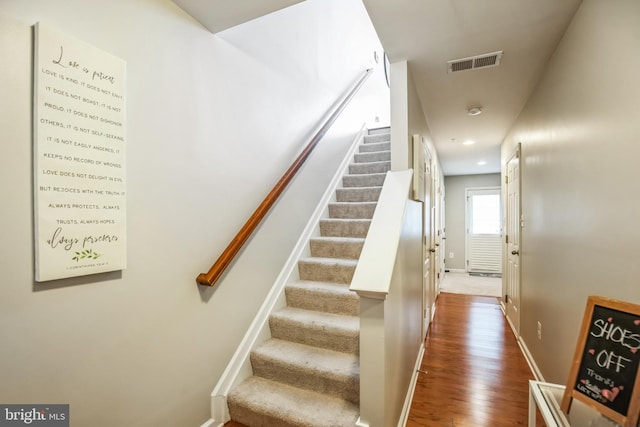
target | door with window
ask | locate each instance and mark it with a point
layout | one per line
(484, 246)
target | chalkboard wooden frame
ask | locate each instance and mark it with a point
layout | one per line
(600, 317)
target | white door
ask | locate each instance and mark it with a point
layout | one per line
(514, 223)
(484, 245)
(422, 191)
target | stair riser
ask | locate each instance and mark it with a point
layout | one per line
(352, 210)
(311, 299)
(366, 168)
(322, 272)
(354, 228)
(367, 180)
(381, 156)
(344, 387)
(335, 249)
(246, 416)
(356, 194)
(314, 335)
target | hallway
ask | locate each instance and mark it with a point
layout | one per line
(465, 283)
(473, 372)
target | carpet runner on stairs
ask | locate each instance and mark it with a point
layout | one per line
(307, 374)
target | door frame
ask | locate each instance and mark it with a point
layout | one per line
(513, 323)
(439, 229)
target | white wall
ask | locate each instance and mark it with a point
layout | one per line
(408, 119)
(580, 133)
(212, 122)
(399, 78)
(403, 316)
(455, 213)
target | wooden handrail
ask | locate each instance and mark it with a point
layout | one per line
(211, 277)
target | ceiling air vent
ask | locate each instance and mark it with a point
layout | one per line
(475, 62)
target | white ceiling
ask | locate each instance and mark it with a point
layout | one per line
(428, 33)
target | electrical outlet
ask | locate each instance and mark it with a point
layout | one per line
(450, 254)
(539, 330)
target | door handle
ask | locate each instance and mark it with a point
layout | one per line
(515, 252)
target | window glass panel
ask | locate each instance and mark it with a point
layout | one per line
(486, 214)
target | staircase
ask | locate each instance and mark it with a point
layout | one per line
(307, 374)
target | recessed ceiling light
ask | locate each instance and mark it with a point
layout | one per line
(482, 163)
(469, 142)
(475, 110)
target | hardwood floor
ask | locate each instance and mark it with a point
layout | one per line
(473, 373)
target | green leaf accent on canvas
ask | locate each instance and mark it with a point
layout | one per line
(86, 254)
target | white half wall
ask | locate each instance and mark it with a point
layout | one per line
(212, 123)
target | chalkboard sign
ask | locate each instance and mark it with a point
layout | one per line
(604, 373)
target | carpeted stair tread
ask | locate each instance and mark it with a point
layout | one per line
(364, 180)
(325, 330)
(258, 402)
(336, 247)
(327, 297)
(358, 194)
(311, 368)
(366, 168)
(337, 270)
(370, 157)
(352, 210)
(381, 137)
(380, 130)
(375, 146)
(344, 227)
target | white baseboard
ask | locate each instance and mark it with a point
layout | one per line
(239, 367)
(513, 328)
(530, 360)
(523, 348)
(404, 416)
